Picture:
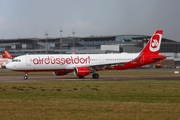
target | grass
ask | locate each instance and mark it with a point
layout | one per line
(99, 100)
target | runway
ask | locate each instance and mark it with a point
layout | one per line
(134, 74)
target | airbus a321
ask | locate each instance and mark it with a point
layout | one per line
(84, 64)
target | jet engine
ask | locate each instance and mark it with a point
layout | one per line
(82, 71)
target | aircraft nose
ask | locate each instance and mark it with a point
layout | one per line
(9, 66)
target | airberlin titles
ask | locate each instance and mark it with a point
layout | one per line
(61, 60)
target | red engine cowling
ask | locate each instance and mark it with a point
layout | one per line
(82, 71)
(61, 72)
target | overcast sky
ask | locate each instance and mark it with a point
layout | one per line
(32, 18)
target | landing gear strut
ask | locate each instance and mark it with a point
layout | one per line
(95, 75)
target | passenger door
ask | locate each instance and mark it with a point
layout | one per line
(28, 61)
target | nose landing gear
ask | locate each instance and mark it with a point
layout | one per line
(26, 76)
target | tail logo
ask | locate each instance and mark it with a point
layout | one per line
(155, 42)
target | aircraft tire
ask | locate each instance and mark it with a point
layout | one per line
(95, 75)
(25, 77)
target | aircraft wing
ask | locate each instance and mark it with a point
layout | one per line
(107, 66)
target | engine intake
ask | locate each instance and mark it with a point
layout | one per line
(82, 71)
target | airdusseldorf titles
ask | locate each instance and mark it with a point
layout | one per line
(61, 60)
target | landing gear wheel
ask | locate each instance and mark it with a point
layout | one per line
(95, 75)
(25, 77)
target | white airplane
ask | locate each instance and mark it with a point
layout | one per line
(5, 60)
(84, 64)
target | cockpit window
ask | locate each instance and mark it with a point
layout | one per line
(16, 60)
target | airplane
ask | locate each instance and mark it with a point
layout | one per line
(84, 64)
(6, 59)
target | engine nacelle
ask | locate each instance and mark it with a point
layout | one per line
(82, 71)
(61, 72)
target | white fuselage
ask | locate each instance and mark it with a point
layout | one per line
(68, 61)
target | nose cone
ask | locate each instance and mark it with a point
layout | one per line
(9, 66)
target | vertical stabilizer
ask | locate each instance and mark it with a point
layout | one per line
(7, 54)
(153, 45)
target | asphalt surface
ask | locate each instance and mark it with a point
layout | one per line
(71, 77)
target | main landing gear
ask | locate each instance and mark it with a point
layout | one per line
(95, 75)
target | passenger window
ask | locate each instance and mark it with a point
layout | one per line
(16, 60)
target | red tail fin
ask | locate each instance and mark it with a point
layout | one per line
(7, 54)
(153, 45)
